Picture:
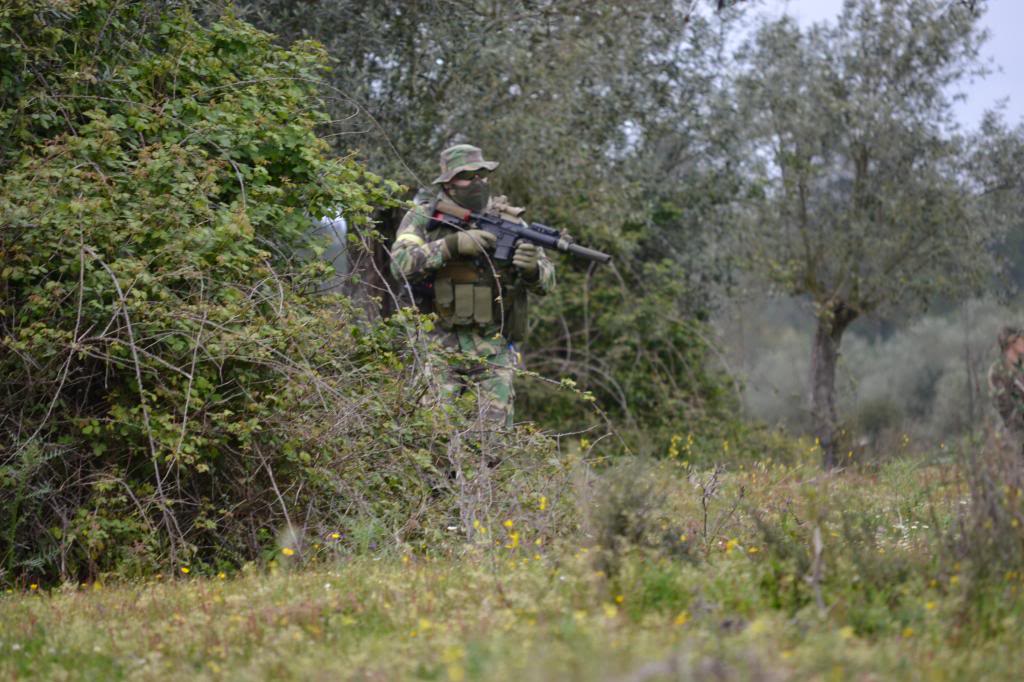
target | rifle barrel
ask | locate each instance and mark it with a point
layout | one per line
(589, 254)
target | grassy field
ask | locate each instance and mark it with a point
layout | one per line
(766, 572)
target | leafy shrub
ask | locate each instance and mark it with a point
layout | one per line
(634, 343)
(835, 549)
(174, 388)
(985, 539)
(635, 512)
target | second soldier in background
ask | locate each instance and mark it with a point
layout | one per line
(1006, 382)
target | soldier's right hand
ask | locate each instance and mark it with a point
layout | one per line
(471, 243)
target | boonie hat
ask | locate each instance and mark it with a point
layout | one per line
(462, 157)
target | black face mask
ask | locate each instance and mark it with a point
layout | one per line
(474, 196)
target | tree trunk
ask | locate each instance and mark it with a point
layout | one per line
(832, 322)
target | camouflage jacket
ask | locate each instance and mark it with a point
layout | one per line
(465, 293)
(418, 251)
(1006, 386)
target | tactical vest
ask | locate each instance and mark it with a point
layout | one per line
(476, 291)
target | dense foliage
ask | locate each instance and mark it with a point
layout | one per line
(178, 386)
(173, 387)
(599, 116)
(182, 397)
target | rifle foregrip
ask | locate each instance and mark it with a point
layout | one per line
(454, 210)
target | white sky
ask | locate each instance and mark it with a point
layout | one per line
(1005, 50)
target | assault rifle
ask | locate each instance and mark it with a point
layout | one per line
(509, 234)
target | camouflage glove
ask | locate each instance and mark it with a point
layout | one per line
(470, 243)
(526, 258)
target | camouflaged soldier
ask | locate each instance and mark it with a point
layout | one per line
(1006, 381)
(481, 307)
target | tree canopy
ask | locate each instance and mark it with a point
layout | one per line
(602, 116)
(865, 192)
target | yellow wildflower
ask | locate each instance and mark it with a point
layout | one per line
(185, 570)
(508, 523)
(335, 536)
(288, 551)
(759, 626)
(673, 446)
(682, 618)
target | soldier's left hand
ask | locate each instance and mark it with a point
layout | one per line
(526, 258)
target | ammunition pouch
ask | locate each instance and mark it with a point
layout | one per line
(464, 295)
(468, 295)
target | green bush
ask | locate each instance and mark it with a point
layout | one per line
(632, 343)
(984, 542)
(174, 388)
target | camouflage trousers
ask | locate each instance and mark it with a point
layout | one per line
(486, 372)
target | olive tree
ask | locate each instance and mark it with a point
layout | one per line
(867, 195)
